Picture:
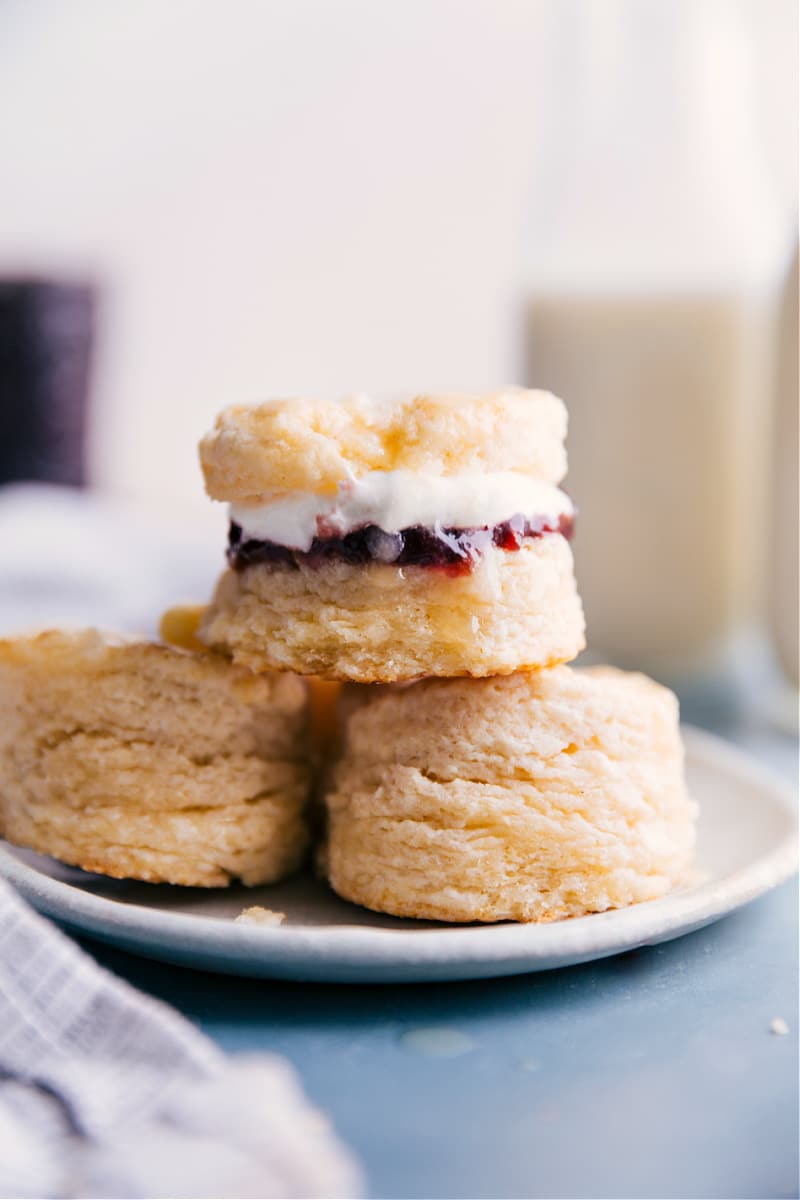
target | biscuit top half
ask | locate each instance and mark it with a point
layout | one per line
(482, 729)
(64, 682)
(282, 447)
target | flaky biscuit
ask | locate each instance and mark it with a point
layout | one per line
(145, 761)
(378, 623)
(531, 797)
(299, 445)
(179, 626)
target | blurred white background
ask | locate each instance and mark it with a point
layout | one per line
(281, 196)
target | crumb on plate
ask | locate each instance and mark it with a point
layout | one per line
(260, 916)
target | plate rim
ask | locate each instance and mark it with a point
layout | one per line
(355, 947)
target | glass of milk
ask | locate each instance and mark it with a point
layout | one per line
(650, 282)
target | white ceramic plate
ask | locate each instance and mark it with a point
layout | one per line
(747, 844)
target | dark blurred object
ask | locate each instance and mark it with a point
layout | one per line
(45, 355)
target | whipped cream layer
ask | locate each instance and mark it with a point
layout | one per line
(397, 500)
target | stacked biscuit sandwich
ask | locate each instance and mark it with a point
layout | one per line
(416, 551)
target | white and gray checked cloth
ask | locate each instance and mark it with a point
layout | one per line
(106, 1092)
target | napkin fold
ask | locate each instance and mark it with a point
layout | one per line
(106, 1092)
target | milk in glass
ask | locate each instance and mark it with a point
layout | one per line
(649, 308)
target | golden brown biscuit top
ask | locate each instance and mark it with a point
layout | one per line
(299, 445)
(444, 723)
(88, 679)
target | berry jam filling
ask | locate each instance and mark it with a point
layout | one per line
(453, 550)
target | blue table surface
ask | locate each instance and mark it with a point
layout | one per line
(653, 1074)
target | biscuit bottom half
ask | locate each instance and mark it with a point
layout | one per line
(381, 623)
(532, 797)
(143, 761)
